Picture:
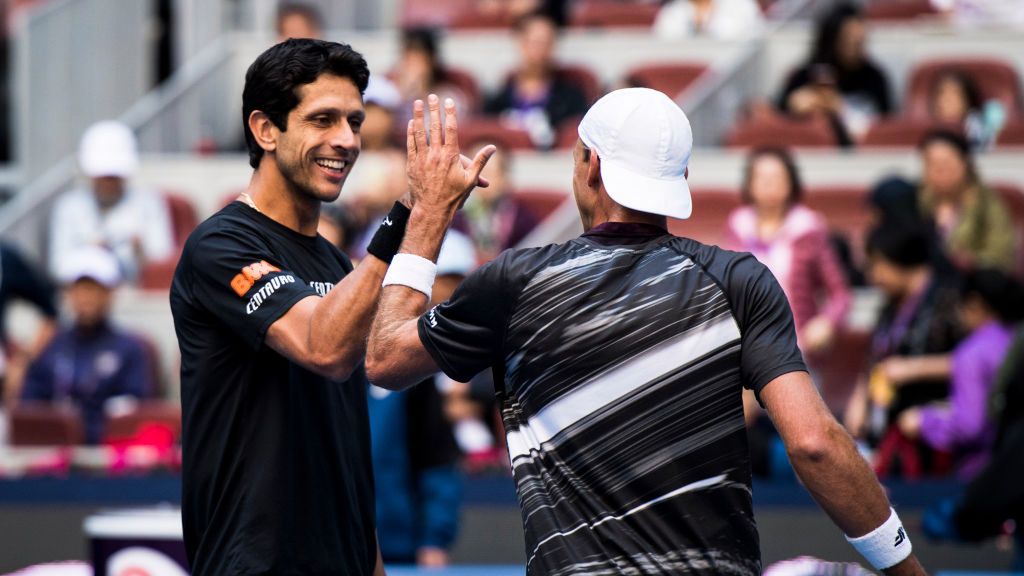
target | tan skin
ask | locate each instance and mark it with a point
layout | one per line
(822, 453)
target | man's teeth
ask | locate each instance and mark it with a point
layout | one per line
(331, 164)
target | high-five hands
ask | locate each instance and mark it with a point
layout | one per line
(440, 177)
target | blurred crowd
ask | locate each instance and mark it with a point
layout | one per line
(939, 389)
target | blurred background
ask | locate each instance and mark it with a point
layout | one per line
(871, 153)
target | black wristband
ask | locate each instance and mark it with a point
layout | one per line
(388, 238)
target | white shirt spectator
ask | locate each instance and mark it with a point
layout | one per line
(140, 219)
(727, 20)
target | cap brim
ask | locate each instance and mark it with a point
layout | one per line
(644, 193)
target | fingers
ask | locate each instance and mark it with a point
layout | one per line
(419, 129)
(435, 120)
(451, 127)
(480, 160)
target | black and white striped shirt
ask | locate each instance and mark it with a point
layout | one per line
(621, 356)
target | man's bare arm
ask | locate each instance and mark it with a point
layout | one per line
(328, 335)
(440, 179)
(827, 462)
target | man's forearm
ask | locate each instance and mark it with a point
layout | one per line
(388, 358)
(341, 322)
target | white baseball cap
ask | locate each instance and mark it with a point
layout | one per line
(108, 148)
(382, 92)
(644, 142)
(93, 262)
(458, 256)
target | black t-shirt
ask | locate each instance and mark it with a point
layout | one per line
(277, 474)
(623, 354)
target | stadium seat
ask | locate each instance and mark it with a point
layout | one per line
(996, 79)
(845, 209)
(584, 78)
(901, 132)
(711, 208)
(779, 130)
(610, 14)
(466, 83)
(433, 13)
(42, 424)
(1011, 135)
(672, 79)
(898, 9)
(493, 130)
(541, 201)
(184, 219)
(473, 19)
(128, 425)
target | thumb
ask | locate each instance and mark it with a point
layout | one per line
(480, 160)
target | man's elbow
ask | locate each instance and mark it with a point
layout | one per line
(337, 367)
(378, 368)
(815, 447)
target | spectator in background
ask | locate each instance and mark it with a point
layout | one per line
(996, 494)
(381, 101)
(420, 72)
(131, 222)
(21, 280)
(916, 328)
(972, 221)
(415, 456)
(492, 217)
(955, 101)
(298, 20)
(793, 242)
(536, 98)
(839, 80)
(720, 19)
(990, 305)
(90, 362)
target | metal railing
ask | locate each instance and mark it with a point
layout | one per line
(74, 62)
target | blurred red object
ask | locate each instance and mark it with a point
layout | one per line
(899, 9)
(996, 80)
(780, 130)
(608, 14)
(43, 424)
(671, 79)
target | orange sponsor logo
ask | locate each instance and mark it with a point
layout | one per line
(245, 279)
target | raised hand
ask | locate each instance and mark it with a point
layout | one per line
(440, 177)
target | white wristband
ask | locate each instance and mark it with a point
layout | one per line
(885, 546)
(413, 271)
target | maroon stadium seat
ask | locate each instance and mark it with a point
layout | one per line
(779, 130)
(42, 424)
(125, 426)
(1011, 135)
(492, 130)
(996, 79)
(432, 12)
(672, 79)
(898, 9)
(541, 201)
(184, 219)
(611, 14)
(466, 83)
(901, 132)
(711, 208)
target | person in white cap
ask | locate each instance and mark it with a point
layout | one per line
(130, 221)
(620, 357)
(90, 360)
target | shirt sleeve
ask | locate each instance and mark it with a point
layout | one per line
(25, 281)
(767, 335)
(465, 334)
(238, 280)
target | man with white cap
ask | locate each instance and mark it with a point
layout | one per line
(131, 222)
(619, 360)
(90, 361)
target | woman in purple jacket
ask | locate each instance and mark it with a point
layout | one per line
(990, 306)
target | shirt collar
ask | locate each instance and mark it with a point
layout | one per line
(624, 233)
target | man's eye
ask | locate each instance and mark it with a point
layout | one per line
(356, 125)
(322, 120)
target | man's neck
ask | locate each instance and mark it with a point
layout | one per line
(629, 217)
(273, 196)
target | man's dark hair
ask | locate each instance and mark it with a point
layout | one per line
(796, 189)
(1000, 292)
(827, 34)
(306, 11)
(272, 81)
(904, 242)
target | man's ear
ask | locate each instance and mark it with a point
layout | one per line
(594, 170)
(263, 130)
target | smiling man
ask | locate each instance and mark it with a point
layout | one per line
(272, 321)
